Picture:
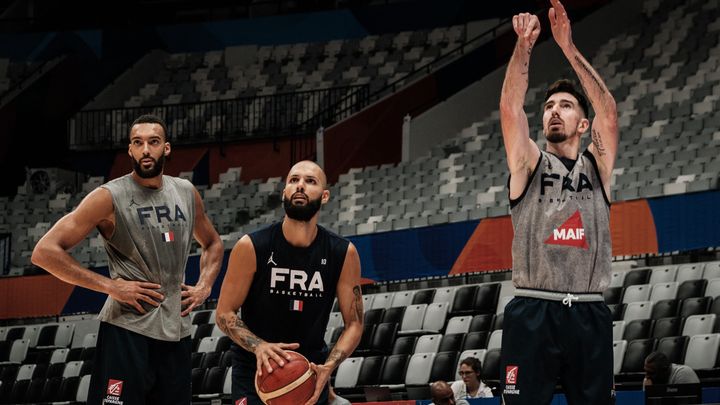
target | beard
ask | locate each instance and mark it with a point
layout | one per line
(556, 137)
(154, 171)
(303, 213)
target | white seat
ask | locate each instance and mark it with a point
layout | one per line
(18, 351)
(335, 320)
(713, 288)
(495, 341)
(418, 369)
(227, 386)
(617, 278)
(383, 300)
(663, 274)
(458, 324)
(689, 272)
(208, 344)
(348, 372)
(664, 291)
(368, 301)
(90, 340)
(413, 318)
(636, 293)
(619, 347)
(72, 369)
(402, 298)
(444, 294)
(216, 331)
(428, 343)
(712, 270)
(637, 310)
(698, 324)
(702, 351)
(59, 356)
(83, 388)
(618, 330)
(25, 372)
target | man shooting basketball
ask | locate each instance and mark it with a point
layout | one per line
(284, 279)
(558, 325)
(147, 221)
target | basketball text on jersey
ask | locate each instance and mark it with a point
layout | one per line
(295, 282)
(550, 180)
(160, 213)
(570, 233)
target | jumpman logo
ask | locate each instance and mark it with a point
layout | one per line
(270, 260)
(132, 202)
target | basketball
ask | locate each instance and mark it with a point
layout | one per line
(292, 384)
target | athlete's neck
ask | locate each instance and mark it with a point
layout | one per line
(153, 182)
(567, 149)
(299, 233)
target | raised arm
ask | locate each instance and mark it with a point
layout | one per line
(50, 253)
(351, 307)
(522, 153)
(234, 290)
(604, 130)
(210, 259)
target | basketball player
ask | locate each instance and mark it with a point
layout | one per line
(558, 325)
(147, 221)
(285, 278)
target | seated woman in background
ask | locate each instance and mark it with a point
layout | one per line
(471, 385)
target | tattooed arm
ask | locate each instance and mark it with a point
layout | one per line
(604, 131)
(351, 307)
(522, 153)
(235, 287)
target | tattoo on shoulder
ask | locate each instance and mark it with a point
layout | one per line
(597, 141)
(357, 303)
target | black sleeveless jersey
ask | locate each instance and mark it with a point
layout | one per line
(293, 289)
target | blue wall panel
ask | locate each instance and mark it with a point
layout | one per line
(686, 221)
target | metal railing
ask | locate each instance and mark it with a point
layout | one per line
(288, 114)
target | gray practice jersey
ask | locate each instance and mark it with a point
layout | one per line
(562, 228)
(151, 242)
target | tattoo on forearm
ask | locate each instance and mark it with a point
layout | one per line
(357, 303)
(336, 356)
(238, 331)
(589, 70)
(597, 141)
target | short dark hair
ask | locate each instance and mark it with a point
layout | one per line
(474, 363)
(662, 367)
(151, 119)
(568, 86)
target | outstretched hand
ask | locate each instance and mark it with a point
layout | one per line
(527, 28)
(560, 25)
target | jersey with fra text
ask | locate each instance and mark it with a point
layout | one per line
(562, 228)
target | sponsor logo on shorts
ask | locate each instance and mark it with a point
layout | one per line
(114, 391)
(241, 401)
(114, 387)
(511, 377)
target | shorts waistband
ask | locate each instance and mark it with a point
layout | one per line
(565, 298)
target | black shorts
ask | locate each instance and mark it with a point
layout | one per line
(133, 369)
(243, 376)
(544, 341)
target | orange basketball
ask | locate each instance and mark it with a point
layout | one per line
(292, 384)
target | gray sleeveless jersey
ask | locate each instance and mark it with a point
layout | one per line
(562, 228)
(151, 242)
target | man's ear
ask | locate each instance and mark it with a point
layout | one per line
(583, 125)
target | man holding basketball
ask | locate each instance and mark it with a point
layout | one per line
(147, 221)
(558, 325)
(284, 279)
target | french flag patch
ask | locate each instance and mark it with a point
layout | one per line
(168, 236)
(296, 305)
